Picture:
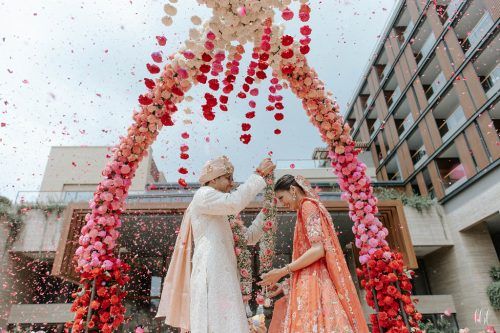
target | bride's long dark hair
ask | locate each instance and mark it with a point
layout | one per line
(285, 182)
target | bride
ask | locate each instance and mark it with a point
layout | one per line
(322, 296)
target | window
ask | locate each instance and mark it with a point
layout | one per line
(474, 23)
(448, 114)
(428, 183)
(451, 170)
(393, 169)
(417, 149)
(423, 42)
(391, 91)
(403, 118)
(432, 79)
(403, 27)
(449, 125)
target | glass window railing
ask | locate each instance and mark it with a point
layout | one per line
(481, 28)
(453, 7)
(452, 123)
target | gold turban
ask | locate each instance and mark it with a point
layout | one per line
(215, 168)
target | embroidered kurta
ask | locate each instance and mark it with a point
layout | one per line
(216, 303)
(322, 296)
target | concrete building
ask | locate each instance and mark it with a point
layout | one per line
(427, 107)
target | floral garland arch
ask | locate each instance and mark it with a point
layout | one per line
(98, 304)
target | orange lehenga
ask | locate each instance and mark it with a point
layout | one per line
(322, 296)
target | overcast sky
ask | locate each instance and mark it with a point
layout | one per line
(71, 71)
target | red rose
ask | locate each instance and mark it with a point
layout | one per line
(245, 138)
(182, 182)
(250, 115)
(287, 54)
(183, 170)
(177, 91)
(245, 127)
(223, 99)
(304, 49)
(261, 75)
(185, 135)
(167, 120)
(206, 57)
(305, 30)
(391, 290)
(286, 40)
(145, 100)
(161, 40)
(184, 156)
(227, 89)
(209, 115)
(213, 84)
(287, 69)
(156, 56)
(153, 69)
(201, 78)
(277, 131)
(149, 83)
(279, 116)
(205, 68)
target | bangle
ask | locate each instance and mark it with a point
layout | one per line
(288, 270)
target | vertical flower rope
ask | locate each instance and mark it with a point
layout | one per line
(267, 242)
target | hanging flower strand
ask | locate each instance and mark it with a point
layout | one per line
(267, 242)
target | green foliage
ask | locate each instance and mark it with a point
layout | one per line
(493, 292)
(5, 206)
(495, 273)
(420, 203)
(443, 325)
(5, 201)
(13, 214)
(46, 207)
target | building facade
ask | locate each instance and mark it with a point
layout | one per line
(427, 107)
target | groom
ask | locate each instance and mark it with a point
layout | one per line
(202, 292)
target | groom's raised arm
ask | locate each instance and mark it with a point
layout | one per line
(214, 202)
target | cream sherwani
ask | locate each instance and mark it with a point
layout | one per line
(216, 304)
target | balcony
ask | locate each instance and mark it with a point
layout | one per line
(405, 125)
(432, 90)
(473, 25)
(452, 7)
(480, 30)
(403, 27)
(408, 30)
(448, 126)
(451, 169)
(491, 83)
(393, 169)
(454, 178)
(418, 157)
